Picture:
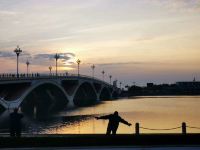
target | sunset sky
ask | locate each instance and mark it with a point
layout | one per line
(133, 40)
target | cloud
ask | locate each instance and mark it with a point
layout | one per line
(5, 54)
(65, 58)
(62, 56)
(181, 5)
(44, 56)
(7, 13)
(130, 63)
(40, 59)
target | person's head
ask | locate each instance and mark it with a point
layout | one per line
(116, 113)
(16, 110)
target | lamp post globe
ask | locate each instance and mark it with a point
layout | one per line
(110, 78)
(93, 67)
(78, 63)
(18, 51)
(27, 65)
(103, 72)
(57, 56)
(50, 67)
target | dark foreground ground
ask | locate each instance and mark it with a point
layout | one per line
(100, 140)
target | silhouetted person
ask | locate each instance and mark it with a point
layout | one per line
(114, 120)
(15, 123)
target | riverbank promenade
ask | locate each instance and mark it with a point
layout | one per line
(99, 140)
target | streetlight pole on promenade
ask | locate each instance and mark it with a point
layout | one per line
(50, 67)
(57, 56)
(103, 72)
(78, 63)
(110, 78)
(17, 51)
(93, 67)
(27, 65)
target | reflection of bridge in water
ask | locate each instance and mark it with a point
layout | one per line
(52, 93)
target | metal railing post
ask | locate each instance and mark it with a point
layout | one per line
(184, 131)
(137, 128)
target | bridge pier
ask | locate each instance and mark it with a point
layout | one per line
(98, 97)
(70, 103)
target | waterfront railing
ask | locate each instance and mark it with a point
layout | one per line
(183, 128)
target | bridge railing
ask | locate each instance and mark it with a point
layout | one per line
(89, 77)
(36, 76)
(28, 76)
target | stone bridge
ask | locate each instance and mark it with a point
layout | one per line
(53, 93)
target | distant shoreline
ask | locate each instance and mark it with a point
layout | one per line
(162, 96)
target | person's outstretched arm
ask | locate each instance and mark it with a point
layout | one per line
(103, 117)
(125, 122)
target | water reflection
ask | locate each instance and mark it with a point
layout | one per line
(151, 112)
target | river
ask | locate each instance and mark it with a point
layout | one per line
(156, 112)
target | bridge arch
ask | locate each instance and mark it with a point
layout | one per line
(44, 97)
(78, 90)
(85, 95)
(105, 94)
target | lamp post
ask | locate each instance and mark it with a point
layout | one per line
(17, 51)
(57, 56)
(103, 72)
(78, 62)
(110, 78)
(120, 84)
(50, 67)
(93, 67)
(27, 65)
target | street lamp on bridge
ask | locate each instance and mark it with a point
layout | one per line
(93, 67)
(120, 85)
(78, 62)
(27, 65)
(17, 51)
(50, 67)
(103, 72)
(110, 78)
(57, 56)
